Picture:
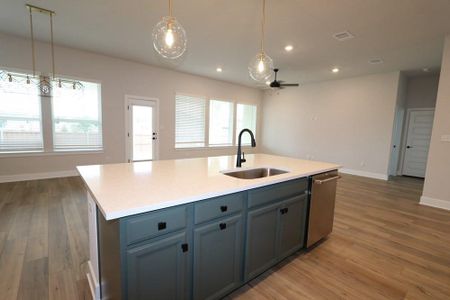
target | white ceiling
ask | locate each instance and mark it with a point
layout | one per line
(405, 34)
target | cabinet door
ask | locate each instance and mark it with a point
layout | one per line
(292, 225)
(218, 258)
(262, 231)
(158, 270)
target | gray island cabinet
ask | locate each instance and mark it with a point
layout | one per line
(205, 249)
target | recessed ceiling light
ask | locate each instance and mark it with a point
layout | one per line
(426, 69)
(289, 48)
(335, 70)
(219, 70)
(268, 82)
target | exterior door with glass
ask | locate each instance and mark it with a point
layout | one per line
(142, 134)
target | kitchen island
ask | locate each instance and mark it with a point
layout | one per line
(184, 229)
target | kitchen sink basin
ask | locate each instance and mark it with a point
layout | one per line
(255, 173)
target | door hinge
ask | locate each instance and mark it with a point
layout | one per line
(128, 107)
(128, 134)
(184, 247)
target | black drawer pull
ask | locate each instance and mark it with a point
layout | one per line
(284, 210)
(222, 226)
(184, 247)
(223, 208)
(162, 225)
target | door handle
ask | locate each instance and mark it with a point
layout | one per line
(318, 181)
(407, 147)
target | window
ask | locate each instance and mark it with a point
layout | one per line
(74, 116)
(191, 116)
(245, 118)
(77, 118)
(190, 122)
(20, 118)
(220, 123)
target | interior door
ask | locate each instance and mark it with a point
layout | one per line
(418, 142)
(142, 133)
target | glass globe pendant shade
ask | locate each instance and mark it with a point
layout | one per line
(260, 67)
(169, 38)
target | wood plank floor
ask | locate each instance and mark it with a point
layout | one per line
(384, 246)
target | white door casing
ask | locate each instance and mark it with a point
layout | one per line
(138, 105)
(418, 135)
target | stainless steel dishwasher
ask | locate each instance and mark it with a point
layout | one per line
(321, 206)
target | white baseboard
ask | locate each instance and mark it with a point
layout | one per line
(34, 176)
(364, 174)
(428, 201)
(93, 283)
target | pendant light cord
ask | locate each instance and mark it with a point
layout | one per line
(52, 45)
(32, 43)
(170, 8)
(263, 23)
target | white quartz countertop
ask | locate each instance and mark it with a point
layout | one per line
(126, 189)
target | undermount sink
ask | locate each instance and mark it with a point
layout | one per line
(255, 173)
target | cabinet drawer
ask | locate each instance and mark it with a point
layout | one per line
(156, 223)
(277, 191)
(218, 207)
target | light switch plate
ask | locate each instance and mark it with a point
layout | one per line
(445, 138)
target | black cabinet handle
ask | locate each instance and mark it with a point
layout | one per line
(284, 210)
(184, 247)
(223, 208)
(222, 226)
(407, 147)
(162, 225)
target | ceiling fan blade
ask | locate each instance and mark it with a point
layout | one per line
(289, 84)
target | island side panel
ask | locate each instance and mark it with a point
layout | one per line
(93, 271)
(109, 257)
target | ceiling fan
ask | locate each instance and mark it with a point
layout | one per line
(279, 83)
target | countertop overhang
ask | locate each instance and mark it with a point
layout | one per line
(125, 189)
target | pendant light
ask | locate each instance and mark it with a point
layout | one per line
(169, 37)
(23, 83)
(260, 67)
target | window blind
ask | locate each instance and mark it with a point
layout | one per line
(20, 118)
(189, 121)
(76, 117)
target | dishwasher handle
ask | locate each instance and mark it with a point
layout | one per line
(321, 181)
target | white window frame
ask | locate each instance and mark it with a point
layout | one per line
(206, 137)
(208, 99)
(208, 119)
(100, 119)
(47, 125)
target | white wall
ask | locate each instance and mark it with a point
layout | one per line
(348, 121)
(422, 91)
(118, 78)
(436, 190)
